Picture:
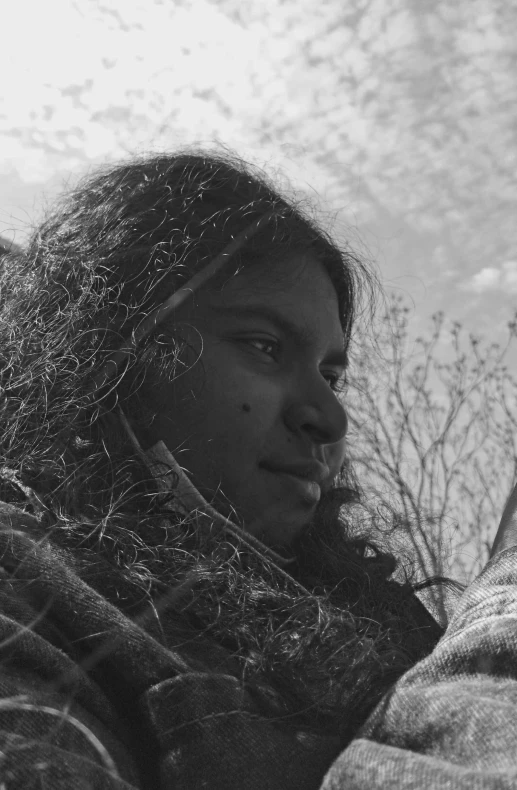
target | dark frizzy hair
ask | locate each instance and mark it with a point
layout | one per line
(115, 248)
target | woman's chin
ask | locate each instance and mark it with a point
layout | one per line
(278, 529)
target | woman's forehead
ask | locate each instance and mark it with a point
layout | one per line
(297, 292)
(294, 278)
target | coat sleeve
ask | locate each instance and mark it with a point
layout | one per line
(48, 739)
(450, 723)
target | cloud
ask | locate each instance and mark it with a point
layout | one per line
(510, 276)
(491, 278)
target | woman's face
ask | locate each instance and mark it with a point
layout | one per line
(255, 421)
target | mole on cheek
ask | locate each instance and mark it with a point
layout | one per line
(246, 407)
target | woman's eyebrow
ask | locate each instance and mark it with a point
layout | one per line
(301, 335)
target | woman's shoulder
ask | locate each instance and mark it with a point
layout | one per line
(60, 719)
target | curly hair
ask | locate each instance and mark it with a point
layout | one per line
(113, 250)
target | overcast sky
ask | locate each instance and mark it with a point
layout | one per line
(398, 116)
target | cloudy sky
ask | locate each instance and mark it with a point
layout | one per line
(397, 116)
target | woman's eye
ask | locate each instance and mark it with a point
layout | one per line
(269, 347)
(336, 381)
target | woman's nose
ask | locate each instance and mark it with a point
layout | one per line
(322, 418)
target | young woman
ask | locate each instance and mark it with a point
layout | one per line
(187, 598)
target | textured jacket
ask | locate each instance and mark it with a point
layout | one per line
(90, 699)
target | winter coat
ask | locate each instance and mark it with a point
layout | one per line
(89, 699)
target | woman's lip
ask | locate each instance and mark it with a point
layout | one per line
(309, 490)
